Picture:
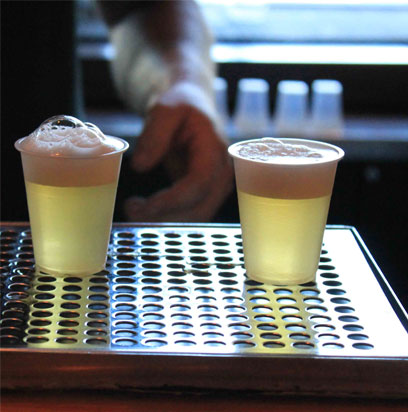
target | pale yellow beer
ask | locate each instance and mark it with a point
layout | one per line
(71, 173)
(282, 236)
(71, 226)
(284, 190)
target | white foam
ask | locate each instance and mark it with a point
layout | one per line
(67, 136)
(270, 150)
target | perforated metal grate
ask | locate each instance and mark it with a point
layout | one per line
(184, 289)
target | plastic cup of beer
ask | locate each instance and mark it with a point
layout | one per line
(71, 173)
(284, 189)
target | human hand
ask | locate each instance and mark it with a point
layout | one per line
(178, 132)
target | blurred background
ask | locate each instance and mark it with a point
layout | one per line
(363, 45)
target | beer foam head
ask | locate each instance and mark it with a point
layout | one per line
(285, 168)
(66, 136)
(271, 150)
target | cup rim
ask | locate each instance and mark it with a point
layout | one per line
(232, 150)
(125, 146)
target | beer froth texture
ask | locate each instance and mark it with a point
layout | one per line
(292, 169)
(270, 150)
(66, 136)
(63, 151)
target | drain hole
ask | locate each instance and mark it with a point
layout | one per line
(11, 330)
(328, 336)
(41, 314)
(9, 340)
(292, 318)
(126, 242)
(67, 332)
(320, 318)
(296, 327)
(264, 318)
(155, 342)
(40, 322)
(124, 333)
(125, 265)
(129, 324)
(38, 331)
(256, 291)
(357, 336)
(98, 306)
(348, 319)
(70, 305)
(274, 345)
(44, 296)
(329, 275)
(154, 334)
(326, 267)
(332, 283)
(344, 309)
(271, 336)
(66, 323)
(185, 342)
(72, 279)
(125, 272)
(239, 326)
(45, 288)
(198, 258)
(214, 343)
(46, 279)
(71, 296)
(98, 297)
(299, 336)
(303, 345)
(244, 344)
(333, 345)
(365, 346)
(11, 322)
(96, 341)
(289, 309)
(242, 335)
(69, 314)
(37, 339)
(324, 327)
(195, 235)
(309, 292)
(336, 292)
(353, 328)
(96, 332)
(19, 287)
(99, 280)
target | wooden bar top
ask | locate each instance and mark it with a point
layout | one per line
(119, 401)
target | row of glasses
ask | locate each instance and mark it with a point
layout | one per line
(299, 112)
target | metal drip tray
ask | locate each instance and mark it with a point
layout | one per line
(174, 308)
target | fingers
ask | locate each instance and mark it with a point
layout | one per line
(185, 139)
(195, 197)
(171, 205)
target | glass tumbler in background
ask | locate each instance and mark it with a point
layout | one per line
(283, 206)
(71, 201)
(252, 115)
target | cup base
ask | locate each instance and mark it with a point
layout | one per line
(60, 273)
(282, 282)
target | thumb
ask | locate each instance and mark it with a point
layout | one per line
(155, 140)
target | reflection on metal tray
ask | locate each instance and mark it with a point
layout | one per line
(175, 308)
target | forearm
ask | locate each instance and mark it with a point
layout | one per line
(158, 44)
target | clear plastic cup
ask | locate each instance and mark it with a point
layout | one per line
(327, 109)
(291, 110)
(71, 201)
(252, 115)
(283, 207)
(221, 102)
